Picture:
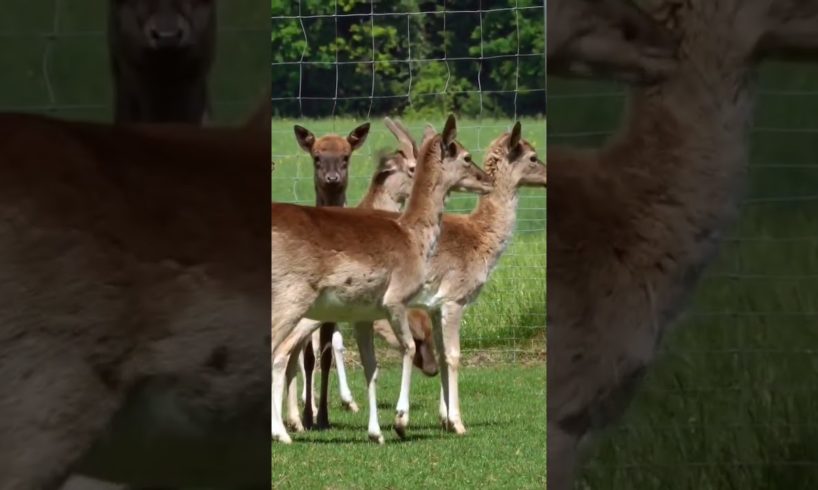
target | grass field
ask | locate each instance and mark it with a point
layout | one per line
(731, 402)
(510, 312)
(503, 448)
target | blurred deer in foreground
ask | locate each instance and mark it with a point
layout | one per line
(134, 341)
(607, 38)
(161, 53)
(641, 218)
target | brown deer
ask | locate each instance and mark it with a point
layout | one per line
(134, 334)
(468, 250)
(389, 188)
(161, 54)
(641, 218)
(334, 275)
(331, 155)
(607, 38)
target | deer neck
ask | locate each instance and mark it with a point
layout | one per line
(425, 207)
(680, 161)
(379, 197)
(496, 215)
(327, 197)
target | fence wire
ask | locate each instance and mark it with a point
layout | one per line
(728, 404)
(508, 319)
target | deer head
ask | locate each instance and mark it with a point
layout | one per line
(331, 155)
(397, 168)
(609, 39)
(167, 25)
(460, 172)
(747, 29)
(513, 161)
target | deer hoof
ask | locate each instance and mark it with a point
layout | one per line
(350, 406)
(376, 438)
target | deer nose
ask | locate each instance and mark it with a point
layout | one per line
(166, 34)
(333, 178)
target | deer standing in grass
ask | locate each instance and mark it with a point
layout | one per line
(334, 275)
(640, 219)
(161, 54)
(389, 188)
(134, 334)
(331, 155)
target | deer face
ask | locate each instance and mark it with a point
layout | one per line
(458, 168)
(522, 162)
(330, 155)
(165, 24)
(607, 38)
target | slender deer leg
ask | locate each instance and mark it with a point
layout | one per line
(347, 402)
(303, 378)
(309, 374)
(400, 326)
(326, 364)
(293, 421)
(451, 314)
(366, 346)
(437, 331)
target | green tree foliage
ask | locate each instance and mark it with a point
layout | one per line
(368, 57)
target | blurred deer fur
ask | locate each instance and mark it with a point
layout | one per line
(640, 219)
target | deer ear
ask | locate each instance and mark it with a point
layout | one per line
(449, 131)
(358, 135)
(514, 139)
(304, 137)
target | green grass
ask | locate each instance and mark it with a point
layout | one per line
(510, 312)
(503, 448)
(730, 403)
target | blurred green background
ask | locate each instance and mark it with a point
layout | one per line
(730, 403)
(54, 58)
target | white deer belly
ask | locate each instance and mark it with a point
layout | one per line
(334, 305)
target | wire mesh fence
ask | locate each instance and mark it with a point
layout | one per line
(728, 403)
(338, 64)
(54, 56)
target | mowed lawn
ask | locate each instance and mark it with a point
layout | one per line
(730, 404)
(510, 312)
(504, 448)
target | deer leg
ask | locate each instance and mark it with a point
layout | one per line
(308, 355)
(400, 326)
(326, 364)
(287, 334)
(437, 331)
(366, 347)
(451, 314)
(293, 421)
(347, 402)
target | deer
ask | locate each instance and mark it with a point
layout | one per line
(389, 188)
(468, 250)
(130, 346)
(642, 217)
(361, 280)
(607, 38)
(331, 156)
(161, 53)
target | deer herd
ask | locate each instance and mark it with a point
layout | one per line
(132, 292)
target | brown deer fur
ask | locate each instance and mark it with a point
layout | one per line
(132, 299)
(334, 274)
(607, 38)
(639, 219)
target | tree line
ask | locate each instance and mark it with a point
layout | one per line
(406, 57)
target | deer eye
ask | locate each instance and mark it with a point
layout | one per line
(533, 159)
(467, 158)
